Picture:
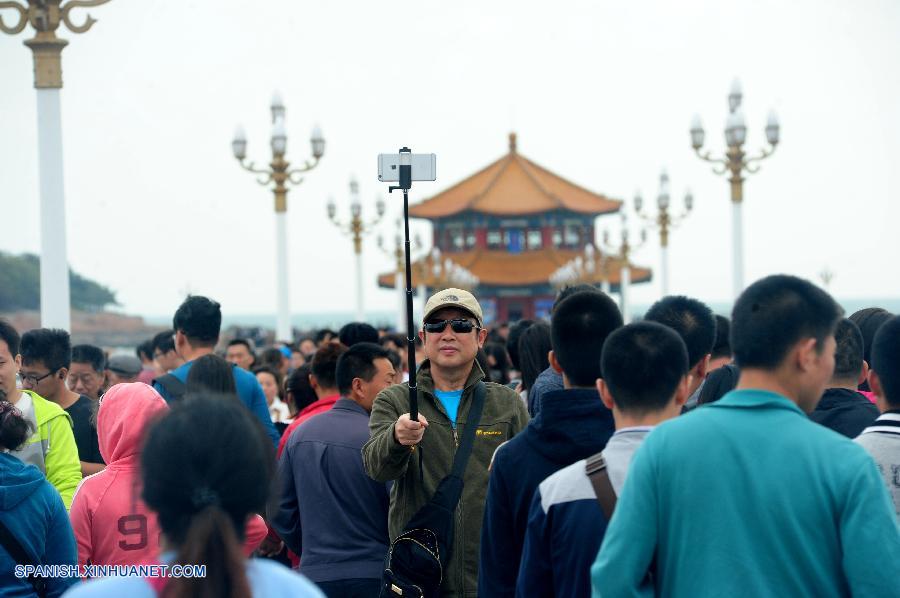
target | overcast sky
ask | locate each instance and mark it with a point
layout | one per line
(601, 93)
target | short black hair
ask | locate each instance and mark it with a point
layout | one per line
(164, 341)
(642, 365)
(199, 319)
(570, 290)
(10, 336)
(775, 313)
(691, 319)
(869, 320)
(272, 357)
(324, 333)
(51, 346)
(241, 341)
(393, 337)
(722, 346)
(512, 340)
(358, 362)
(578, 328)
(145, 350)
(848, 352)
(324, 364)
(357, 332)
(886, 360)
(90, 354)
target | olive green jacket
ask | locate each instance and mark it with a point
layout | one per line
(385, 459)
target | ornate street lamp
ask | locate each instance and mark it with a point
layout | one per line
(623, 252)
(356, 228)
(735, 163)
(280, 174)
(664, 221)
(45, 16)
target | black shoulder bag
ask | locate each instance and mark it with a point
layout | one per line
(15, 550)
(419, 555)
(174, 387)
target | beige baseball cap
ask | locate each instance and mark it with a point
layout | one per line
(459, 298)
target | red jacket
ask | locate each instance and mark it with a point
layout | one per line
(320, 406)
(112, 524)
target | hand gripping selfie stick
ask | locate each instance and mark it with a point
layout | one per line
(405, 174)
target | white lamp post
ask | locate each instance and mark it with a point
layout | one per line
(735, 163)
(356, 228)
(664, 221)
(46, 16)
(281, 174)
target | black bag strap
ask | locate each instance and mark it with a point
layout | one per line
(15, 550)
(174, 387)
(461, 459)
(595, 468)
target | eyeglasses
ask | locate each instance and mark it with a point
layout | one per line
(459, 325)
(33, 379)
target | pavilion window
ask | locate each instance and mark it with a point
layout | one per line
(494, 239)
(470, 239)
(557, 238)
(534, 240)
(572, 235)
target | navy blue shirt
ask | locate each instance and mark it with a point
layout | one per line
(249, 392)
(571, 425)
(328, 510)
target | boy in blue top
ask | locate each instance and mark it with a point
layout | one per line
(747, 496)
(197, 322)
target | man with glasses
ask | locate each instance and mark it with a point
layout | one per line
(46, 357)
(51, 446)
(418, 454)
(87, 371)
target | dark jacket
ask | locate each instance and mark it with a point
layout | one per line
(328, 510)
(547, 381)
(571, 425)
(385, 459)
(845, 411)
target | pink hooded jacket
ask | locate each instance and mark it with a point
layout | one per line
(112, 524)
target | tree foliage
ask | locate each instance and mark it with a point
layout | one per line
(20, 286)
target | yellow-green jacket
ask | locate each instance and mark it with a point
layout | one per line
(52, 446)
(385, 459)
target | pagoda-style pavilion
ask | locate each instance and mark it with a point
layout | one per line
(512, 225)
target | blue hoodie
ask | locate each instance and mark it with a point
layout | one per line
(34, 513)
(571, 425)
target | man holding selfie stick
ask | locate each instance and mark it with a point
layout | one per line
(414, 443)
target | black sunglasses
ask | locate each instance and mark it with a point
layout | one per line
(458, 325)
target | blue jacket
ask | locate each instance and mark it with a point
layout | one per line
(566, 524)
(571, 425)
(748, 497)
(249, 392)
(328, 510)
(34, 513)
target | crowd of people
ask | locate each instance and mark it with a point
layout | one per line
(684, 454)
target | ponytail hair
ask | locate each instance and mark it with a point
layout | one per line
(14, 428)
(206, 466)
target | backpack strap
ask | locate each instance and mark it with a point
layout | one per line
(17, 552)
(174, 387)
(595, 468)
(461, 459)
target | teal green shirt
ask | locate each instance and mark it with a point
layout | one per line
(748, 497)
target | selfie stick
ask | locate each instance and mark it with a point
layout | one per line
(405, 184)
